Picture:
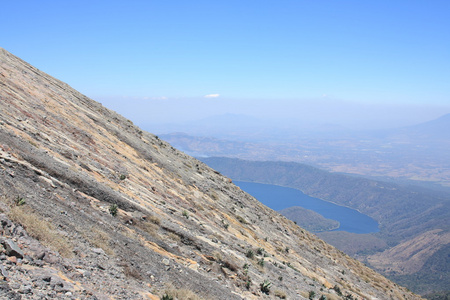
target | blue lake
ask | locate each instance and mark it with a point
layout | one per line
(277, 198)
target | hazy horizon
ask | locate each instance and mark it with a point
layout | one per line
(364, 64)
(309, 114)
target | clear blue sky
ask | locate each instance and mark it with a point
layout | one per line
(371, 52)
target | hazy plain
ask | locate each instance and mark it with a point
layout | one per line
(402, 143)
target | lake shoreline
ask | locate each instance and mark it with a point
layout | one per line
(289, 187)
(350, 219)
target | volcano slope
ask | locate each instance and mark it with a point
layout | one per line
(94, 208)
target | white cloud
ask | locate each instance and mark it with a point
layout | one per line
(212, 96)
(154, 98)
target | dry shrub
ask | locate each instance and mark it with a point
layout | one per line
(226, 262)
(241, 219)
(181, 293)
(199, 207)
(149, 226)
(41, 230)
(131, 271)
(230, 265)
(100, 239)
(216, 236)
(217, 255)
(214, 196)
(174, 237)
(304, 294)
(280, 294)
(155, 220)
(332, 296)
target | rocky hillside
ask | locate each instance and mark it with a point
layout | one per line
(94, 208)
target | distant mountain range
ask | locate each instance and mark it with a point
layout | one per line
(252, 129)
(438, 129)
(415, 153)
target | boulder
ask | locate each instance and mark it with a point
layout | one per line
(12, 249)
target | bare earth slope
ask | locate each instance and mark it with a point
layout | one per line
(181, 227)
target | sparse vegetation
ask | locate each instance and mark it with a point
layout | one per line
(123, 177)
(312, 294)
(280, 294)
(149, 227)
(261, 262)
(229, 265)
(217, 256)
(214, 196)
(174, 237)
(166, 297)
(250, 254)
(246, 266)
(292, 267)
(100, 239)
(131, 271)
(155, 220)
(241, 219)
(41, 229)
(180, 293)
(186, 214)
(19, 201)
(113, 209)
(337, 290)
(265, 287)
(248, 284)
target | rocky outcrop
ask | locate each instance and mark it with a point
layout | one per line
(103, 210)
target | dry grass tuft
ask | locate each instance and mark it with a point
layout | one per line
(155, 220)
(131, 271)
(217, 255)
(149, 226)
(333, 296)
(41, 230)
(174, 237)
(181, 293)
(214, 196)
(100, 239)
(280, 294)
